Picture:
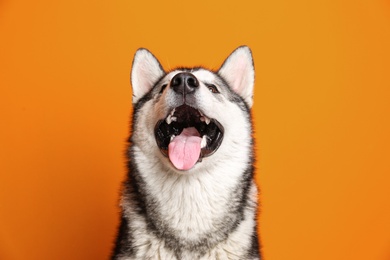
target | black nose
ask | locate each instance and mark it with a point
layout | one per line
(184, 83)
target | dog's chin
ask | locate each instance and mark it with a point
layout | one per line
(186, 136)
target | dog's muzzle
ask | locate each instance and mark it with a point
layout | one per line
(187, 135)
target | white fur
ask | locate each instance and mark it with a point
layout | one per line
(151, 247)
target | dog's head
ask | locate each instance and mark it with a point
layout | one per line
(192, 118)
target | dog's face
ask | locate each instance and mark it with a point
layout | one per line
(192, 119)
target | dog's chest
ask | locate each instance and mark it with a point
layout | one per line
(190, 207)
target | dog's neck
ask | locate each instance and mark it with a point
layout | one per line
(190, 204)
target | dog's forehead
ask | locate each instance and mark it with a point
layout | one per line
(204, 75)
(201, 74)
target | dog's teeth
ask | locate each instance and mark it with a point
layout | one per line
(172, 136)
(203, 143)
(168, 120)
(205, 119)
(173, 118)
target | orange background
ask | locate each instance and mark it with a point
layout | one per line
(321, 113)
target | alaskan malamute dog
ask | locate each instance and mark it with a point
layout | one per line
(190, 192)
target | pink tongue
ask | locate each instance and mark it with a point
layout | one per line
(184, 149)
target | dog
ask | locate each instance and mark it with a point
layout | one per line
(190, 192)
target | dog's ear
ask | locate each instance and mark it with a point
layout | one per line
(145, 72)
(238, 70)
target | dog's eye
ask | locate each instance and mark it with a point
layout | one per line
(212, 88)
(163, 88)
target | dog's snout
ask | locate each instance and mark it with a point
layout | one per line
(184, 83)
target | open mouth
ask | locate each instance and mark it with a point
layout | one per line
(186, 135)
